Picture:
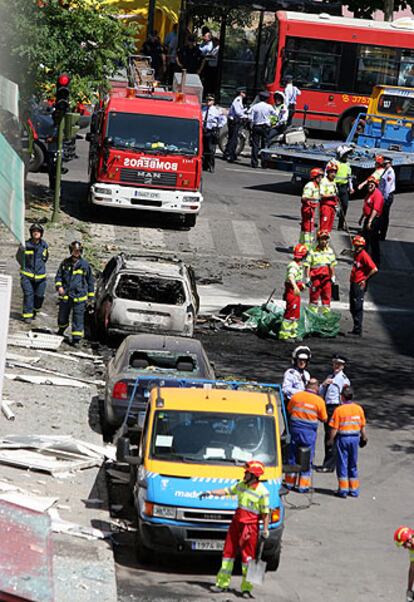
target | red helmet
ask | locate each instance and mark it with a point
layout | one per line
(300, 251)
(316, 172)
(331, 166)
(358, 241)
(402, 535)
(254, 467)
(323, 234)
(379, 159)
(372, 179)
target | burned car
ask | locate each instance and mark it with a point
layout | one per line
(146, 360)
(145, 294)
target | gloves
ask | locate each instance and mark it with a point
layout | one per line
(363, 442)
(308, 283)
(203, 495)
(264, 535)
(409, 595)
(333, 279)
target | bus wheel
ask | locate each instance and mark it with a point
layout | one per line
(346, 125)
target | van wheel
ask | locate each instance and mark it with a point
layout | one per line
(37, 158)
(273, 561)
(144, 554)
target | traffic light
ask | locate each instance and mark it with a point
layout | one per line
(62, 94)
(71, 125)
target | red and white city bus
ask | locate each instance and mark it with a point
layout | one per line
(336, 61)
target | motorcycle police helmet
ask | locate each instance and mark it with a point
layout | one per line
(302, 352)
(38, 227)
(280, 95)
(76, 246)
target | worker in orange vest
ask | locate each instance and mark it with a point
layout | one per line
(404, 538)
(348, 434)
(305, 409)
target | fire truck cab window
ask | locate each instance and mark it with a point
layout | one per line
(314, 64)
(153, 133)
(396, 105)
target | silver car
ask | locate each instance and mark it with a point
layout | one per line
(166, 358)
(146, 294)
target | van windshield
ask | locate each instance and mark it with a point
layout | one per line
(213, 438)
(153, 133)
(396, 105)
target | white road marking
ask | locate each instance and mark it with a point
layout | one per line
(151, 237)
(395, 256)
(248, 238)
(200, 237)
(264, 172)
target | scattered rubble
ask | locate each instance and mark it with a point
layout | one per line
(35, 340)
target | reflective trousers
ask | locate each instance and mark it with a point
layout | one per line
(78, 317)
(321, 288)
(356, 305)
(33, 295)
(302, 436)
(347, 464)
(327, 215)
(290, 322)
(307, 226)
(240, 538)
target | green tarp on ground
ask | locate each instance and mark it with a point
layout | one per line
(268, 320)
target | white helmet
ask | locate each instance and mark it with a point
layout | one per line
(301, 353)
(343, 149)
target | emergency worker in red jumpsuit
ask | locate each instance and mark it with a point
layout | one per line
(253, 504)
(310, 202)
(329, 198)
(294, 284)
(320, 265)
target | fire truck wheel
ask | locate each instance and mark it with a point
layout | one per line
(37, 158)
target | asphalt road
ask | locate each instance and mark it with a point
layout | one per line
(341, 550)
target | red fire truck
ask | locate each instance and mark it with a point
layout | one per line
(145, 148)
(336, 61)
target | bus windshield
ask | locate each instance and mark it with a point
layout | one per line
(153, 133)
(213, 438)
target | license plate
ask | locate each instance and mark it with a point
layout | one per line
(150, 320)
(142, 194)
(213, 545)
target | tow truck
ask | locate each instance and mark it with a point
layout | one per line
(197, 434)
(387, 128)
(145, 147)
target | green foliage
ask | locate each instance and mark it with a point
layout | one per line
(80, 37)
(364, 9)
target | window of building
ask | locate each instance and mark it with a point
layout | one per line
(314, 64)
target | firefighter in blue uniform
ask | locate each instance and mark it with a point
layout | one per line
(75, 286)
(32, 258)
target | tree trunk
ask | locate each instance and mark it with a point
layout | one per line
(388, 10)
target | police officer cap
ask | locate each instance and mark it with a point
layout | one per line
(339, 357)
(289, 78)
(387, 159)
(301, 353)
(211, 97)
(241, 89)
(264, 95)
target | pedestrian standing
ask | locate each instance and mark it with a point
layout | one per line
(371, 219)
(347, 433)
(310, 203)
(320, 265)
(329, 198)
(190, 57)
(305, 408)
(153, 48)
(243, 533)
(75, 287)
(171, 46)
(235, 117)
(295, 378)
(363, 269)
(212, 121)
(294, 284)
(331, 390)
(387, 187)
(377, 173)
(291, 95)
(32, 258)
(343, 180)
(404, 538)
(259, 115)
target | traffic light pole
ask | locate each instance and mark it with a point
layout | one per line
(58, 179)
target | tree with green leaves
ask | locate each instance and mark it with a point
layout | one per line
(366, 8)
(42, 38)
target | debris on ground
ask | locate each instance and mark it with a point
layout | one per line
(35, 340)
(36, 379)
(5, 408)
(17, 357)
(59, 525)
(15, 364)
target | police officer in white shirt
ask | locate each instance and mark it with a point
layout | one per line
(291, 94)
(236, 114)
(387, 187)
(213, 119)
(295, 378)
(259, 115)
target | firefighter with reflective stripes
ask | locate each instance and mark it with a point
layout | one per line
(310, 202)
(404, 538)
(329, 197)
(243, 533)
(75, 286)
(306, 409)
(294, 284)
(348, 432)
(32, 258)
(320, 265)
